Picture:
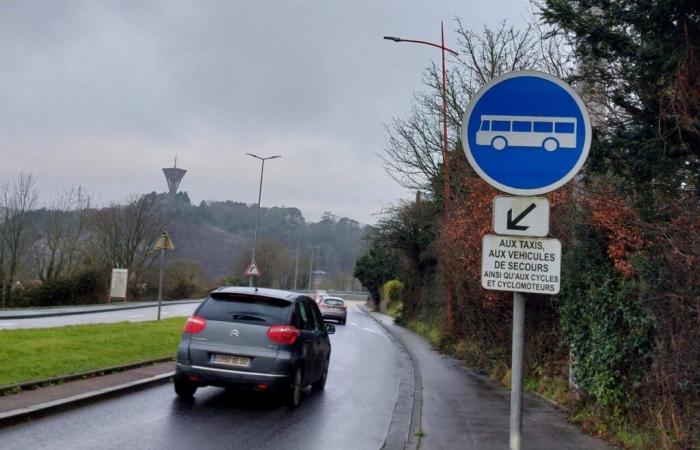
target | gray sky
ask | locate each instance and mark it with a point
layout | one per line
(103, 94)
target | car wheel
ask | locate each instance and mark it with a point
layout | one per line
(184, 388)
(294, 392)
(321, 383)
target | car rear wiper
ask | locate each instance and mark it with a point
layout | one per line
(247, 317)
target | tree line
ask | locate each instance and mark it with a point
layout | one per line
(62, 251)
(618, 344)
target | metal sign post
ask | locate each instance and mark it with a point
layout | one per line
(516, 371)
(524, 133)
(163, 243)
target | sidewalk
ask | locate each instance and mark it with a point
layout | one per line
(32, 403)
(461, 409)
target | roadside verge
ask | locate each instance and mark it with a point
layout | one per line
(64, 394)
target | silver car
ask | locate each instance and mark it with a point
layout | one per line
(260, 339)
(334, 308)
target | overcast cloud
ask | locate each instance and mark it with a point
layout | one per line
(104, 94)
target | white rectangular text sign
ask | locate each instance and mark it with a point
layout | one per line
(117, 288)
(521, 264)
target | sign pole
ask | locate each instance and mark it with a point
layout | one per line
(525, 133)
(160, 281)
(516, 372)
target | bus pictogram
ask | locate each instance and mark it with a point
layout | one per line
(550, 133)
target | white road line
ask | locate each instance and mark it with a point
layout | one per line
(137, 316)
(372, 331)
(353, 323)
(7, 324)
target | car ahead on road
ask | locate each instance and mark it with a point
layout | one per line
(334, 308)
(260, 339)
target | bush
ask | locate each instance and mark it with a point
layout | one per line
(604, 322)
(393, 291)
(84, 288)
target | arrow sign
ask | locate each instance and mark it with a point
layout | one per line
(513, 224)
(521, 216)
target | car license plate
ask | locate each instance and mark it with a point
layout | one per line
(229, 360)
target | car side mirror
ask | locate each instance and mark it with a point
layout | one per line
(330, 328)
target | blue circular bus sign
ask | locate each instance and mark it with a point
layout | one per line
(526, 133)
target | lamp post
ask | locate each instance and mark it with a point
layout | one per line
(257, 216)
(445, 155)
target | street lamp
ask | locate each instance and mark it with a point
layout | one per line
(445, 159)
(445, 156)
(257, 216)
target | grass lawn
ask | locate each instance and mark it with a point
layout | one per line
(31, 354)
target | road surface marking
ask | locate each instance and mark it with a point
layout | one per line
(7, 324)
(353, 323)
(371, 331)
(137, 316)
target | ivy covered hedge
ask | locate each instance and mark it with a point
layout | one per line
(84, 288)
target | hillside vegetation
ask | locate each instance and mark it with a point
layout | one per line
(63, 252)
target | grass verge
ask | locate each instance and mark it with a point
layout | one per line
(37, 353)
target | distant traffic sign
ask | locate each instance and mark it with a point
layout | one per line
(526, 133)
(521, 264)
(252, 270)
(521, 216)
(164, 242)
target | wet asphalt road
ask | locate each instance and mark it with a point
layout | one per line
(127, 315)
(354, 412)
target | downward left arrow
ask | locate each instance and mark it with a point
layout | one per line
(512, 224)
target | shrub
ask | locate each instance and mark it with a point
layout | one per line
(84, 288)
(393, 291)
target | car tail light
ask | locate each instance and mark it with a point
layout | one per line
(283, 334)
(345, 306)
(195, 324)
(322, 306)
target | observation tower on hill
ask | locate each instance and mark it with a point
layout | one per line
(173, 176)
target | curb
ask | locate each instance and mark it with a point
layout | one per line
(93, 311)
(34, 384)
(12, 417)
(412, 437)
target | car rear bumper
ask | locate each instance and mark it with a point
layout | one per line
(215, 376)
(334, 315)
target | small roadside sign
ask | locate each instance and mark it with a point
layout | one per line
(164, 242)
(521, 264)
(117, 286)
(521, 216)
(252, 270)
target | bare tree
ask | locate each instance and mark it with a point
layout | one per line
(17, 198)
(65, 224)
(413, 153)
(123, 235)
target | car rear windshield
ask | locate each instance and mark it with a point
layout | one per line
(251, 309)
(332, 301)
